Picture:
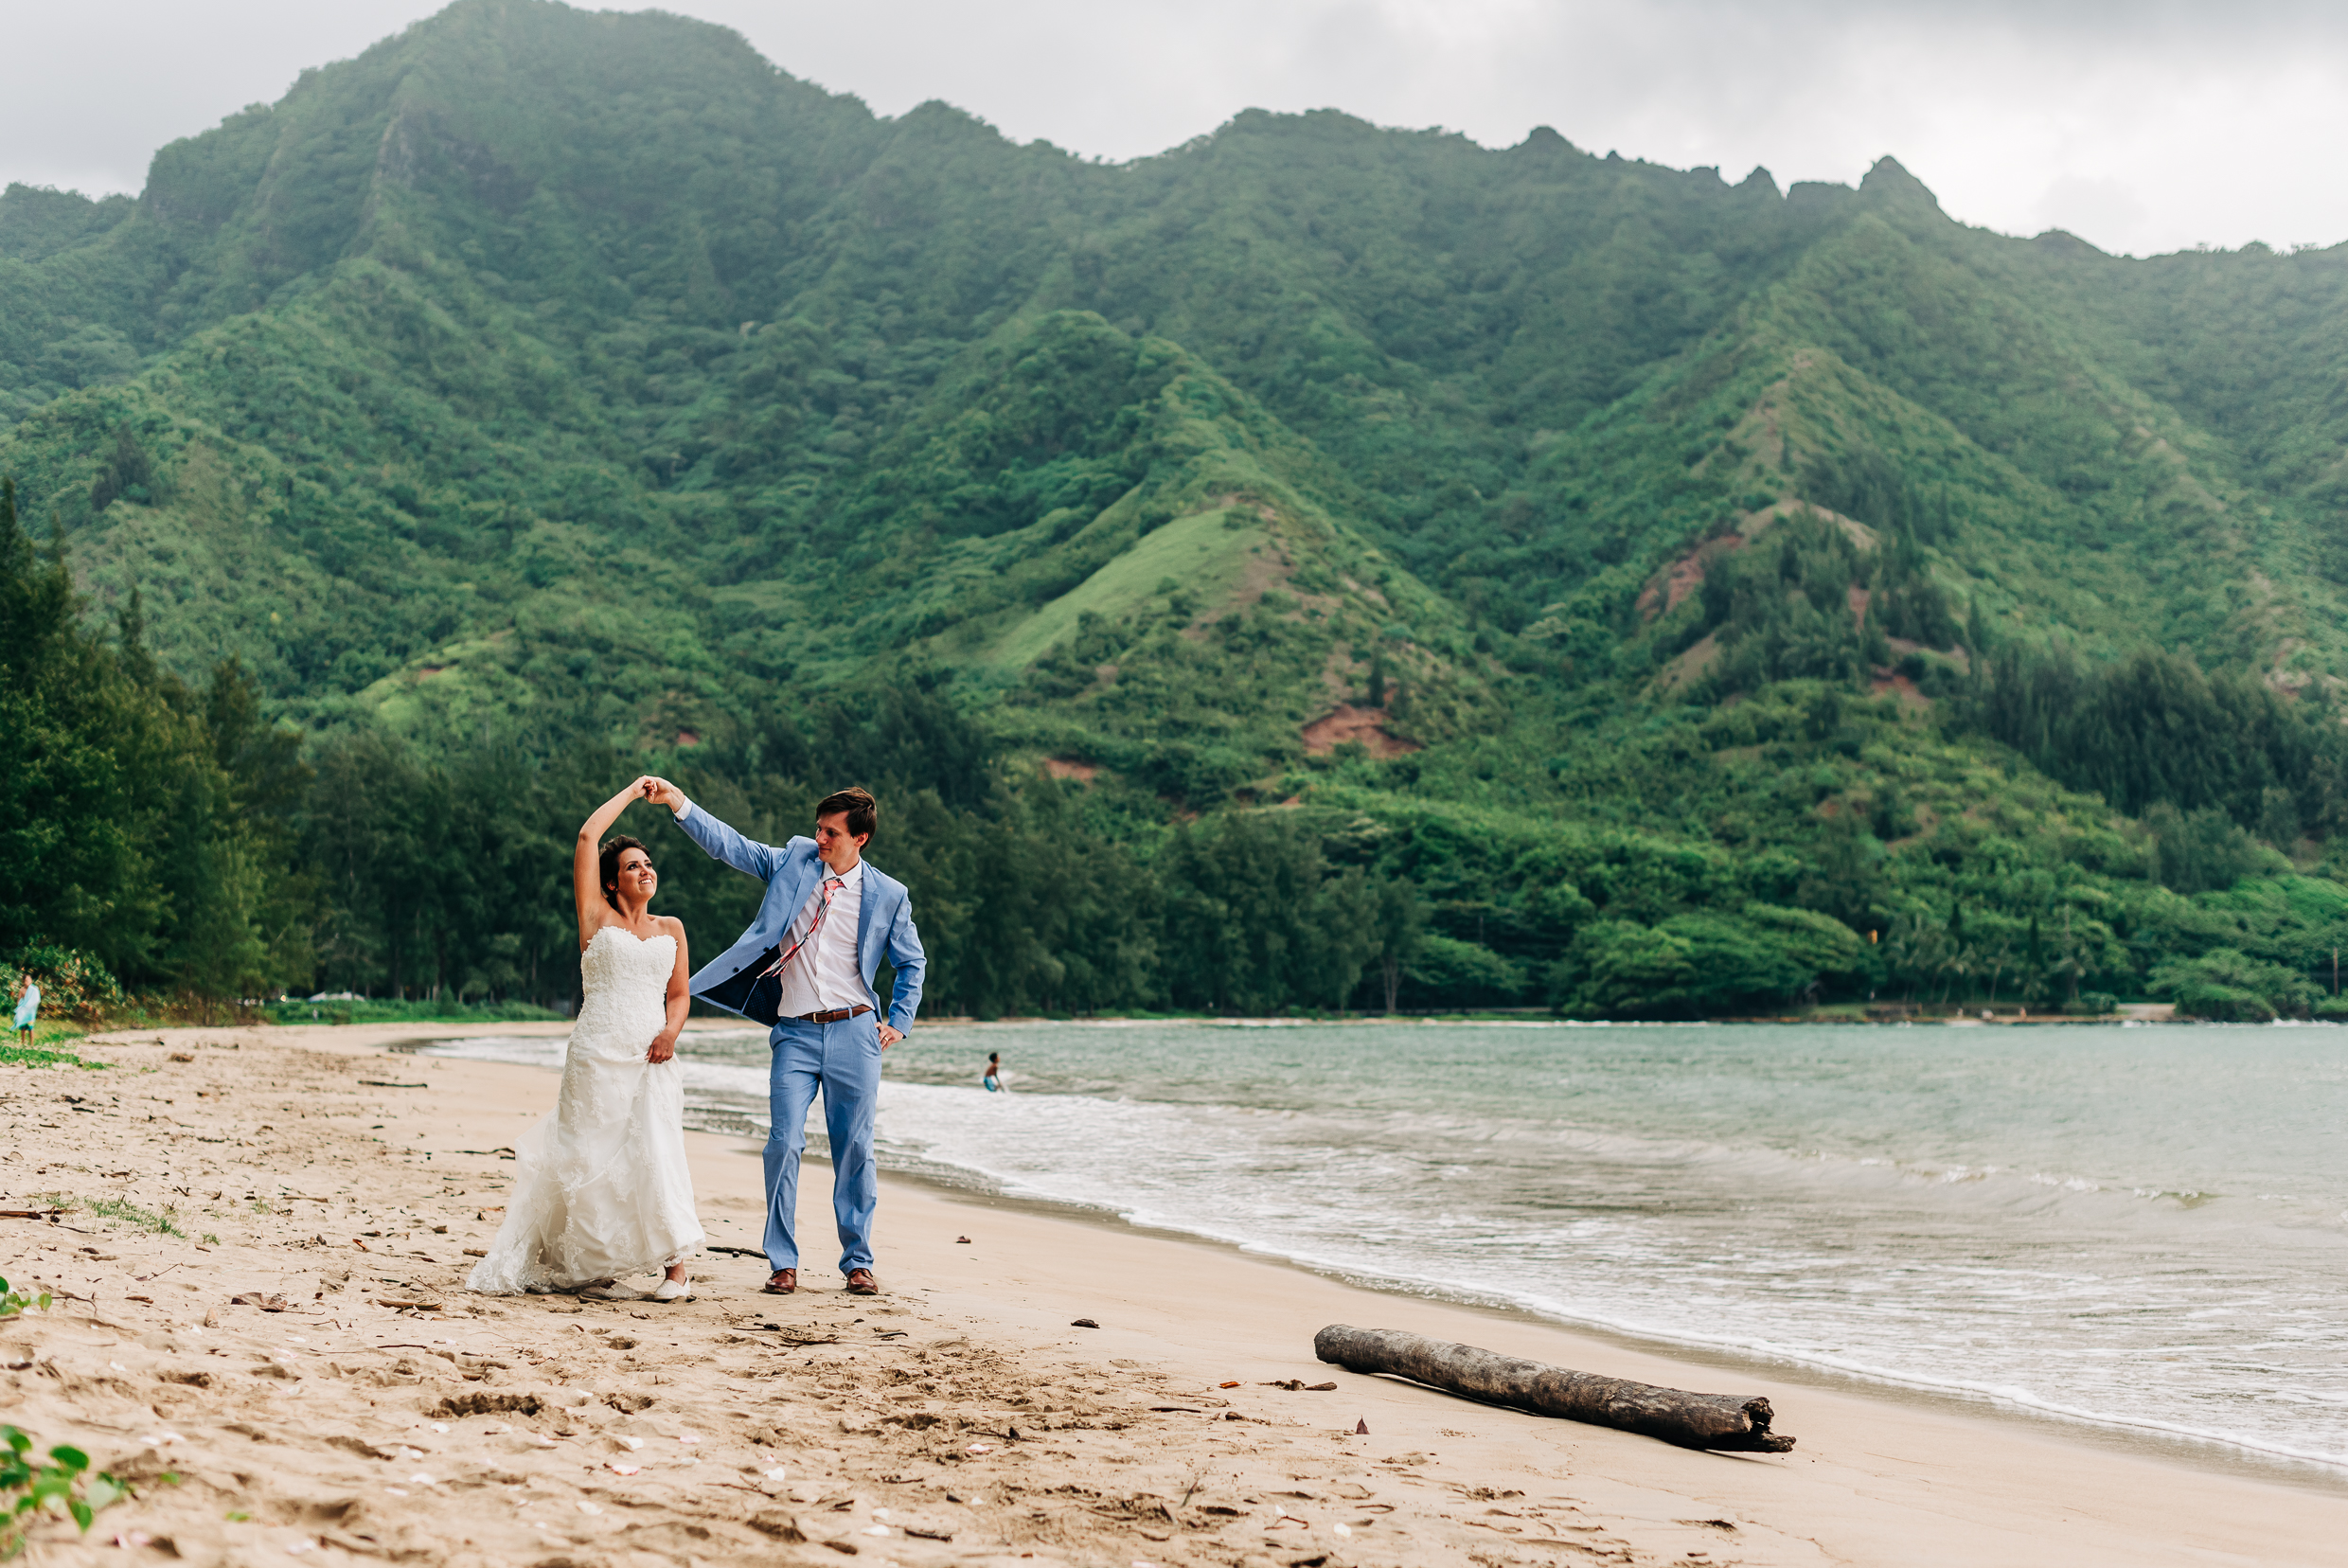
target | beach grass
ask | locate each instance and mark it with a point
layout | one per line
(44, 1055)
(159, 1221)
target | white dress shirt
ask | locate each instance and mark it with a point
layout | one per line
(822, 977)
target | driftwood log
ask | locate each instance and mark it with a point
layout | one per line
(1690, 1420)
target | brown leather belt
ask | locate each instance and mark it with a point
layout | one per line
(837, 1015)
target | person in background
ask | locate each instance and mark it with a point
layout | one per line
(993, 1079)
(27, 1008)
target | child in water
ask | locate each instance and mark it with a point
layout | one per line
(994, 1073)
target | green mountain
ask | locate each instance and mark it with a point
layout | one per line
(1690, 596)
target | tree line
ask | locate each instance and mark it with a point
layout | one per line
(189, 847)
(166, 834)
(145, 822)
(2153, 731)
(450, 880)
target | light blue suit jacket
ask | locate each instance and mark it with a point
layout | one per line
(884, 926)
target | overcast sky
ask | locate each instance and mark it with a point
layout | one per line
(2142, 127)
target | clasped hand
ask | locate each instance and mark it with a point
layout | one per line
(664, 1046)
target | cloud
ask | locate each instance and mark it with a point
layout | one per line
(2138, 126)
(2085, 203)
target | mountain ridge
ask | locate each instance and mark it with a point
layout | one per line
(410, 81)
(541, 379)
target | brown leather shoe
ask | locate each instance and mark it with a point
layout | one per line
(783, 1283)
(862, 1283)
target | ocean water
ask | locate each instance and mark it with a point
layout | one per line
(2146, 1226)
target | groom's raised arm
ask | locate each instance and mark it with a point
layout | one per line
(719, 841)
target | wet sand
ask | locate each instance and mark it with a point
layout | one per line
(381, 1413)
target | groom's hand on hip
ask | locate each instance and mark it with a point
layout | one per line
(889, 1037)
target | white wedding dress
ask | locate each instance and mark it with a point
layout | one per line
(600, 1186)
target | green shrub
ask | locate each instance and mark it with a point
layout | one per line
(2229, 987)
(1447, 973)
(1700, 962)
(73, 984)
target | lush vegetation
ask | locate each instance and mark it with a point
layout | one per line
(144, 819)
(1320, 566)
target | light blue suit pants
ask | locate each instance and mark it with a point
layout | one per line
(844, 1061)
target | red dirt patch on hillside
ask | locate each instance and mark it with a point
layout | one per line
(1886, 681)
(1684, 576)
(1347, 722)
(1068, 767)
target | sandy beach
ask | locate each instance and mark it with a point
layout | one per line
(357, 1404)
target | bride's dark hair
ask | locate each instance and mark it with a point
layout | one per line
(607, 864)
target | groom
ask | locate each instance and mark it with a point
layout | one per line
(806, 968)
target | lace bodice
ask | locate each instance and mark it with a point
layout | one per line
(624, 981)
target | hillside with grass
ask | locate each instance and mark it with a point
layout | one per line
(1563, 581)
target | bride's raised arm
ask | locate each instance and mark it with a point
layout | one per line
(594, 912)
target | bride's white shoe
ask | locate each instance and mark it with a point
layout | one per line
(673, 1289)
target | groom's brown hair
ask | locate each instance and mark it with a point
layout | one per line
(864, 812)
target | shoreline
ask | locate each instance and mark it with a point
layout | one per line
(2146, 1439)
(2116, 1433)
(2127, 1015)
(1136, 1414)
(2224, 1455)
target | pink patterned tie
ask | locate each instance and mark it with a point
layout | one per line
(830, 885)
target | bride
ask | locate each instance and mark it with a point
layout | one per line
(600, 1188)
